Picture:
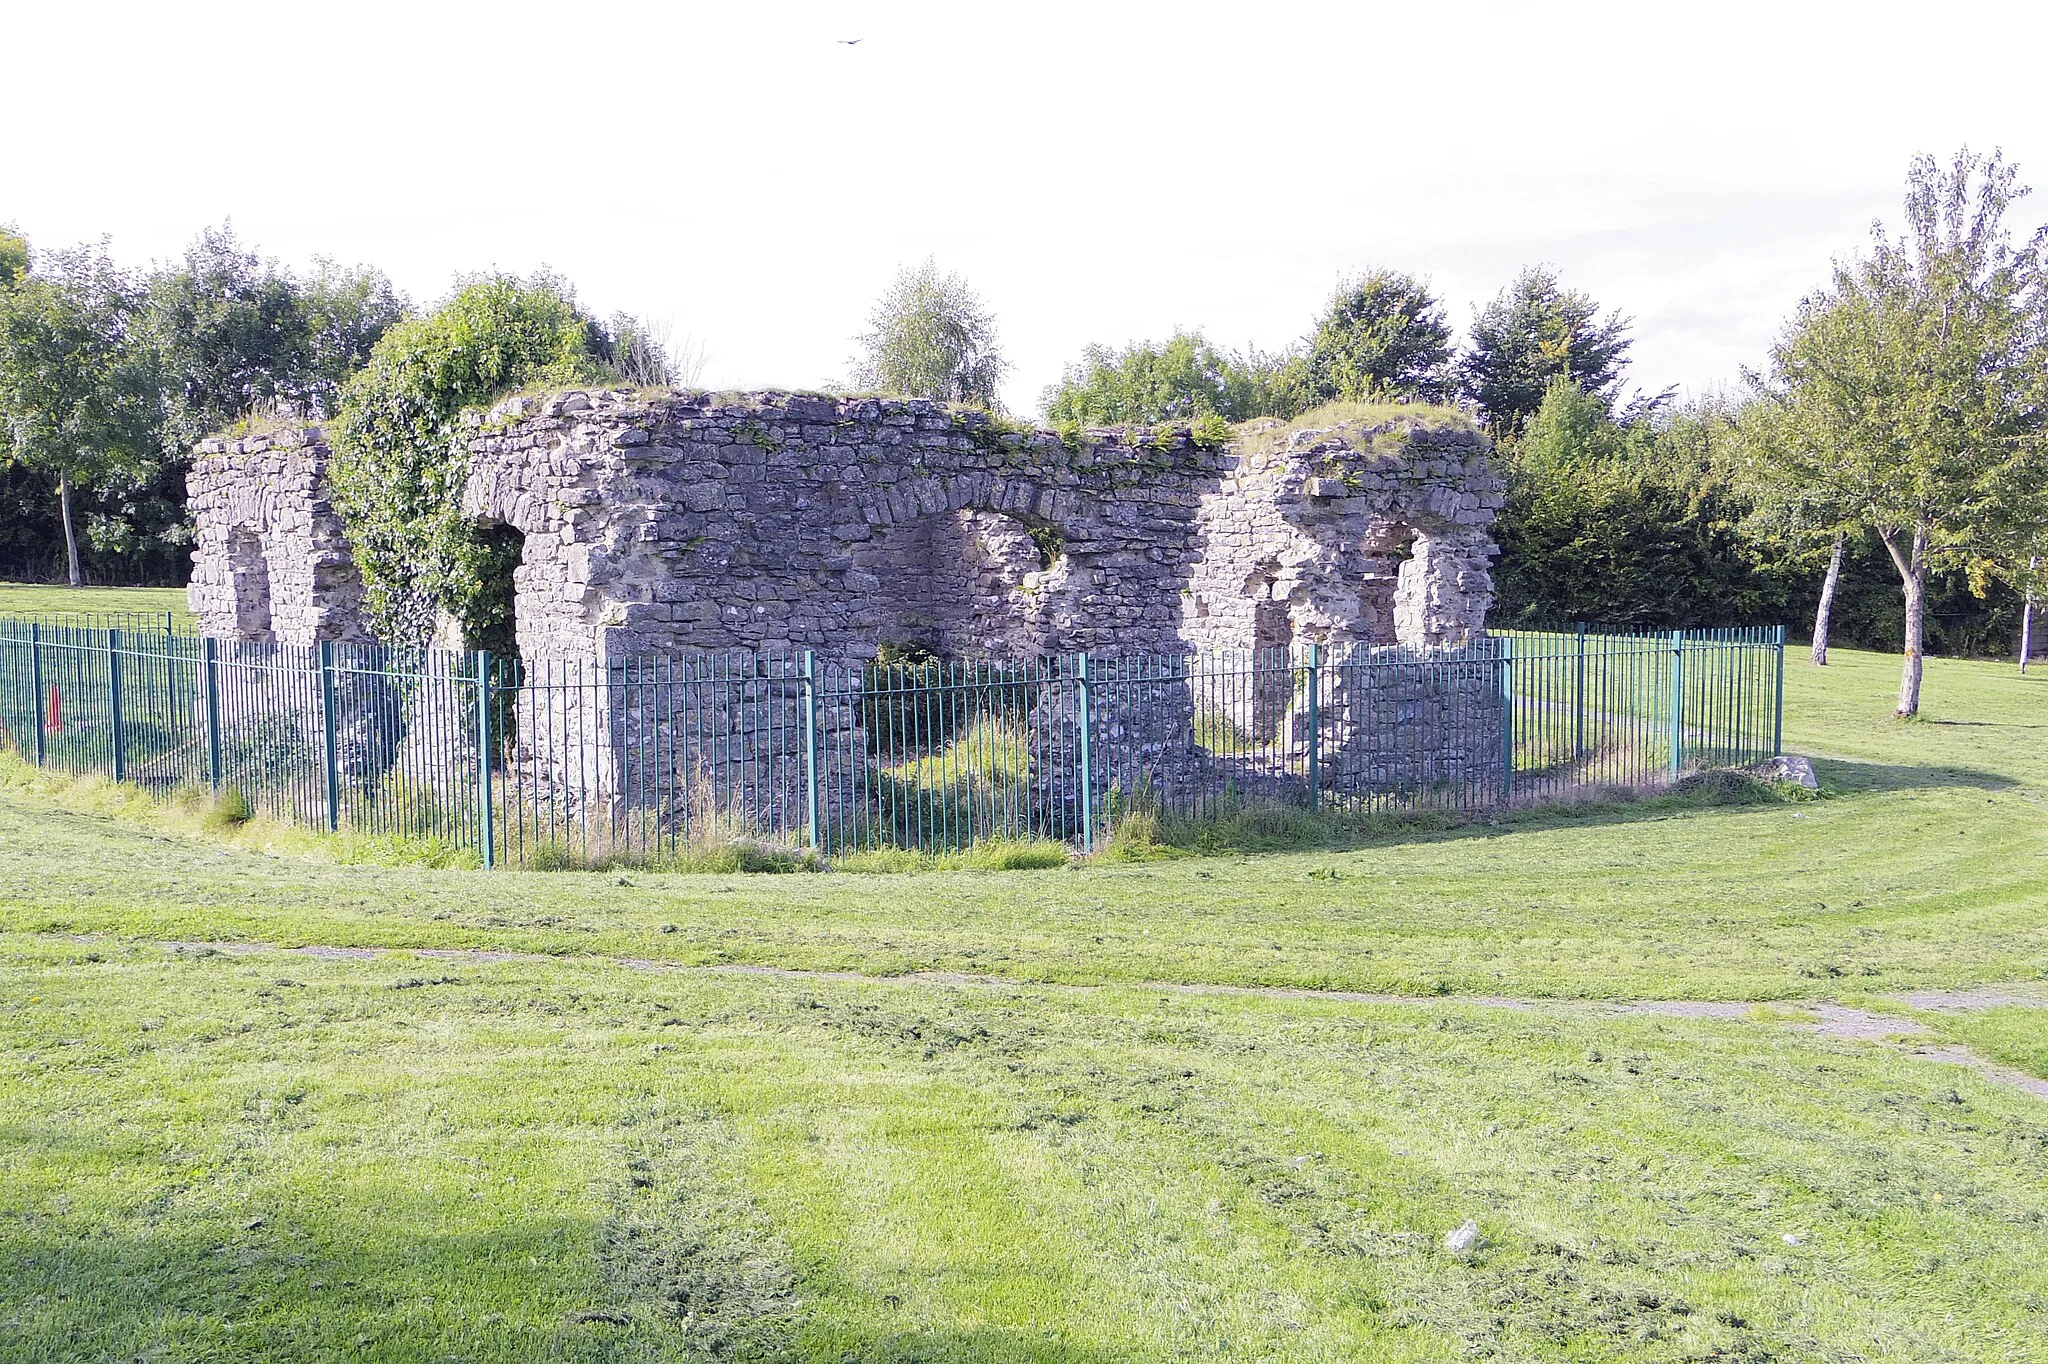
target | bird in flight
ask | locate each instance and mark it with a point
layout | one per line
(848, 42)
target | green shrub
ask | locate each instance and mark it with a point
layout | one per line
(400, 461)
(1134, 837)
(1724, 786)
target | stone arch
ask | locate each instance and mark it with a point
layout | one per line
(917, 498)
(499, 573)
(963, 582)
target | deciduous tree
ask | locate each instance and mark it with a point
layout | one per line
(78, 392)
(1383, 336)
(930, 336)
(1910, 392)
(1143, 384)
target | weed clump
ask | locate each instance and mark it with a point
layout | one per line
(229, 810)
(1002, 853)
(1724, 786)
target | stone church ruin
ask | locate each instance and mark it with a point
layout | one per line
(772, 525)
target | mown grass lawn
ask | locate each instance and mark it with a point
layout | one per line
(602, 1153)
(37, 598)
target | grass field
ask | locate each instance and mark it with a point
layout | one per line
(1017, 1116)
(38, 599)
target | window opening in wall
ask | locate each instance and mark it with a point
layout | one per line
(249, 572)
(495, 626)
(1387, 553)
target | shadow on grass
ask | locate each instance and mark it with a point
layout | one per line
(205, 1292)
(1288, 829)
(1849, 775)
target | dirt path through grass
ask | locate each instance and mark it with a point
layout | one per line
(1827, 1018)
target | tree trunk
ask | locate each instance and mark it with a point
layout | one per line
(70, 538)
(1827, 604)
(2027, 617)
(1913, 578)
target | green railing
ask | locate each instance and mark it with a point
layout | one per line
(526, 760)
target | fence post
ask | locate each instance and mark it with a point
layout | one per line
(1507, 719)
(487, 833)
(39, 700)
(810, 693)
(209, 652)
(329, 758)
(1778, 701)
(114, 704)
(1087, 756)
(1677, 703)
(1315, 726)
(1579, 698)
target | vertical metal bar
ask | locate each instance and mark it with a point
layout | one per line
(483, 759)
(1507, 718)
(1778, 699)
(38, 700)
(1087, 755)
(1677, 702)
(209, 650)
(1579, 699)
(1315, 725)
(810, 695)
(114, 703)
(329, 756)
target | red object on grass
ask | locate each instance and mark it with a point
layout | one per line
(55, 720)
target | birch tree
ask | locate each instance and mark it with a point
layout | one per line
(1909, 393)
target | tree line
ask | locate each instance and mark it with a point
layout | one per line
(1885, 471)
(109, 376)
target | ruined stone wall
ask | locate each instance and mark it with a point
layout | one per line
(781, 522)
(272, 560)
(778, 522)
(1347, 537)
(773, 523)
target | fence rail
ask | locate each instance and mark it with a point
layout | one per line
(526, 760)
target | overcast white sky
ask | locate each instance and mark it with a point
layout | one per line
(1098, 171)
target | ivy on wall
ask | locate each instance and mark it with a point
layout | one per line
(399, 459)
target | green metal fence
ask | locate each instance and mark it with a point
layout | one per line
(526, 760)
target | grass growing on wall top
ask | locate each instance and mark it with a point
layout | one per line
(1351, 422)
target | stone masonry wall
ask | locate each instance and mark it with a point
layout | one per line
(771, 522)
(272, 561)
(775, 523)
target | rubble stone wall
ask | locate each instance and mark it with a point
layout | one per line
(779, 522)
(272, 560)
(774, 523)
